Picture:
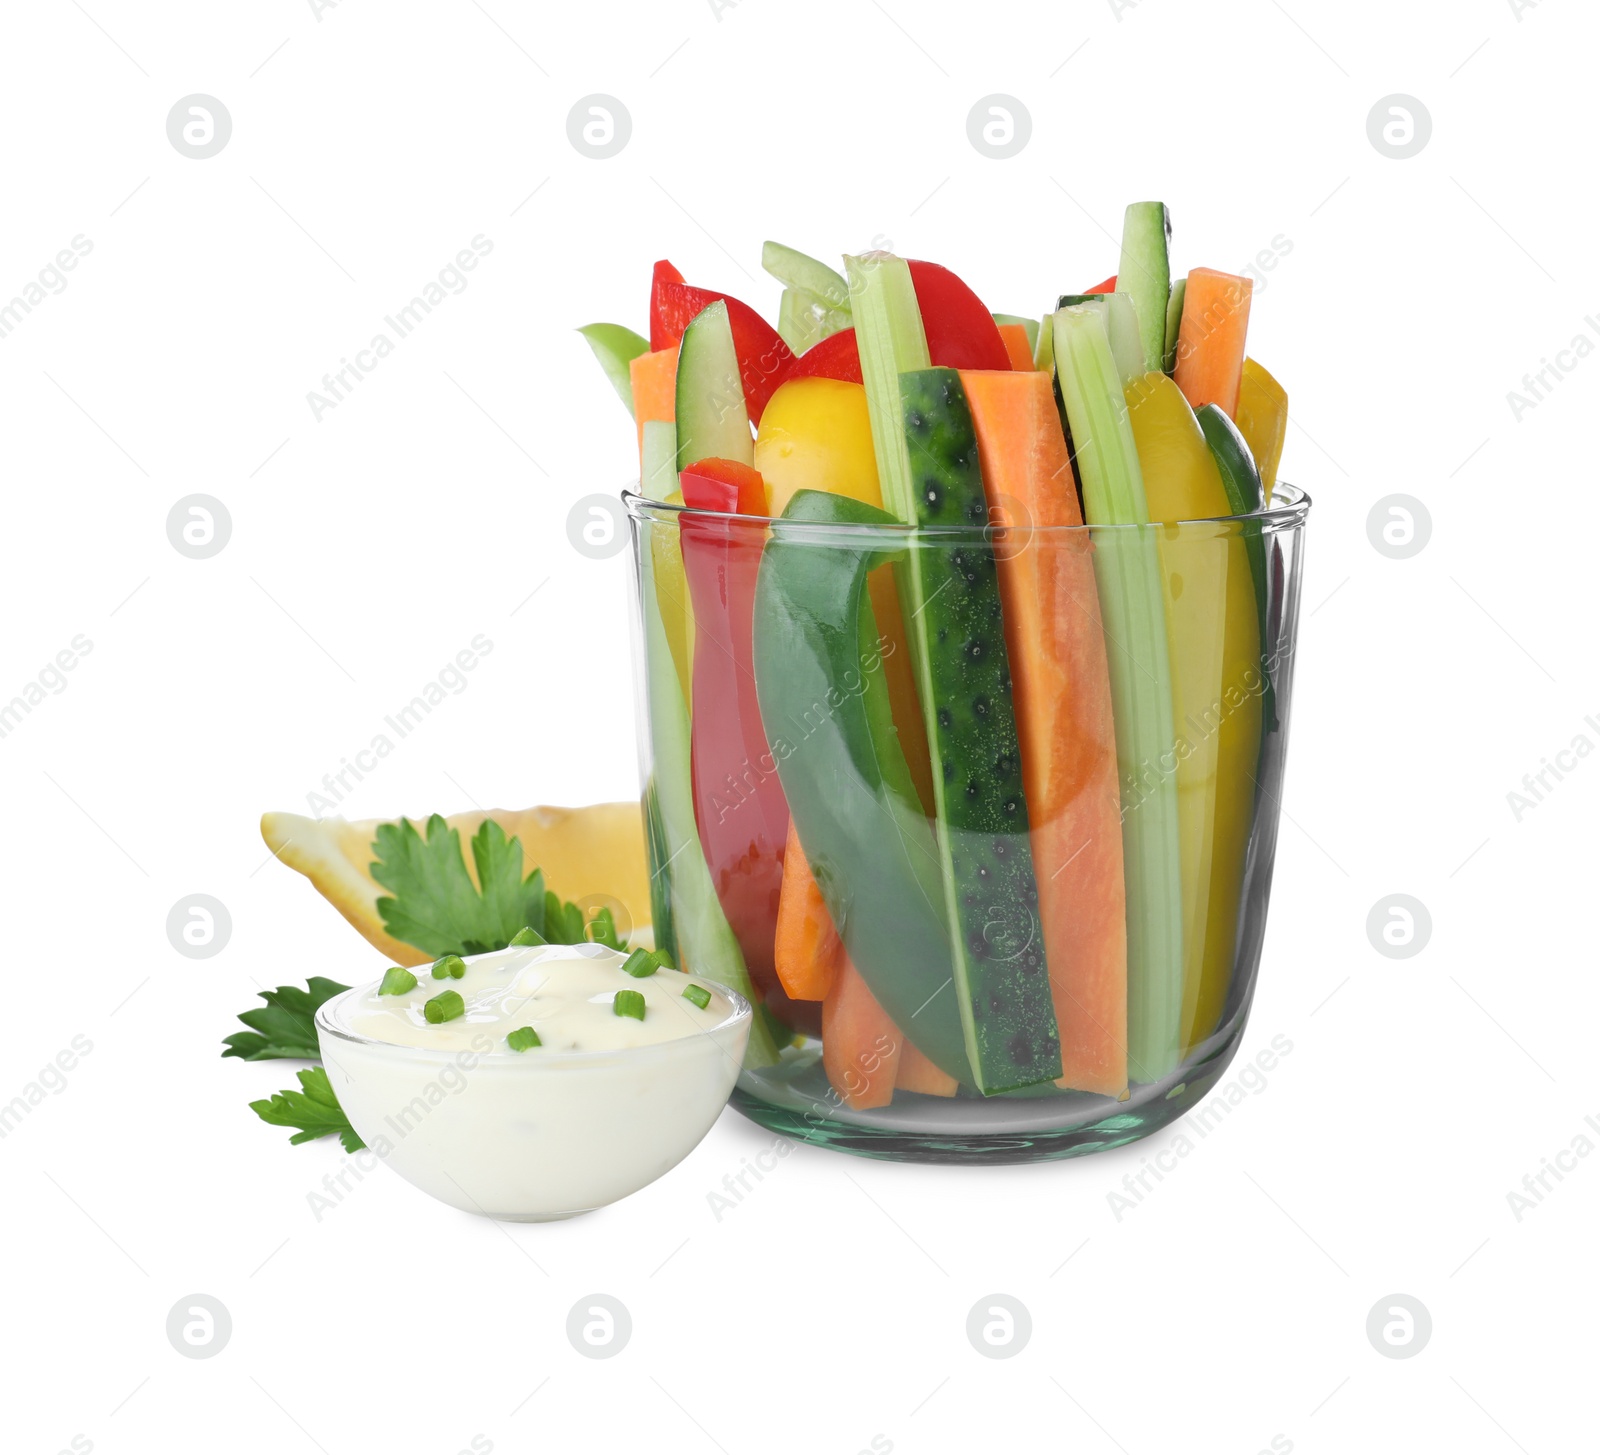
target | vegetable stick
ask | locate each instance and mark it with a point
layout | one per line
(1210, 357)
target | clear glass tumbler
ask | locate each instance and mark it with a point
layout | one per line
(1004, 923)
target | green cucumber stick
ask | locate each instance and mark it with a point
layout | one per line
(705, 940)
(1180, 287)
(1128, 574)
(1044, 350)
(891, 342)
(1145, 272)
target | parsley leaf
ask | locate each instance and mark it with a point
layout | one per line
(314, 1109)
(285, 1029)
(436, 907)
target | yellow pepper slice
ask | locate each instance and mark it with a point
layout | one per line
(1213, 644)
(1263, 420)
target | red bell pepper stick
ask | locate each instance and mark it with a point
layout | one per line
(660, 276)
(740, 810)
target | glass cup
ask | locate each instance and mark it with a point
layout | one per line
(978, 923)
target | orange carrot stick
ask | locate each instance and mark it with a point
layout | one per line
(807, 949)
(1216, 314)
(860, 1045)
(1015, 338)
(918, 1073)
(655, 389)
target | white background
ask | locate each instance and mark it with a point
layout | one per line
(370, 144)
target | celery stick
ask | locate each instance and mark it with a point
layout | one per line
(794, 269)
(891, 342)
(1128, 573)
(706, 943)
(804, 319)
(658, 474)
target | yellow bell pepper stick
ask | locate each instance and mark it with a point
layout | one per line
(1214, 647)
(1263, 419)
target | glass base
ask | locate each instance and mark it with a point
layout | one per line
(794, 1098)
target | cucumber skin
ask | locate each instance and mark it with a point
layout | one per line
(1242, 482)
(1006, 1004)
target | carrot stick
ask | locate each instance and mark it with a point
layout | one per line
(1015, 337)
(655, 388)
(860, 1045)
(1216, 314)
(807, 948)
(918, 1073)
(1062, 692)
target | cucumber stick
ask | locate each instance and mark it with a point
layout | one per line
(891, 342)
(1242, 481)
(711, 418)
(1145, 272)
(616, 347)
(1128, 573)
(704, 940)
(1180, 287)
(991, 896)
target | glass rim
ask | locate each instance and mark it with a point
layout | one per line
(1288, 510)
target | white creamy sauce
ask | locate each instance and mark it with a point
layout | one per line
(565, 992)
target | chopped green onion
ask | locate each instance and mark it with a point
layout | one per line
(698, 994)
(628, 1002)
(524, 1038)
(664, 960)
(527, 935)
(640, 963)
(397, 981)
(452, 966)
(443, 1007)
